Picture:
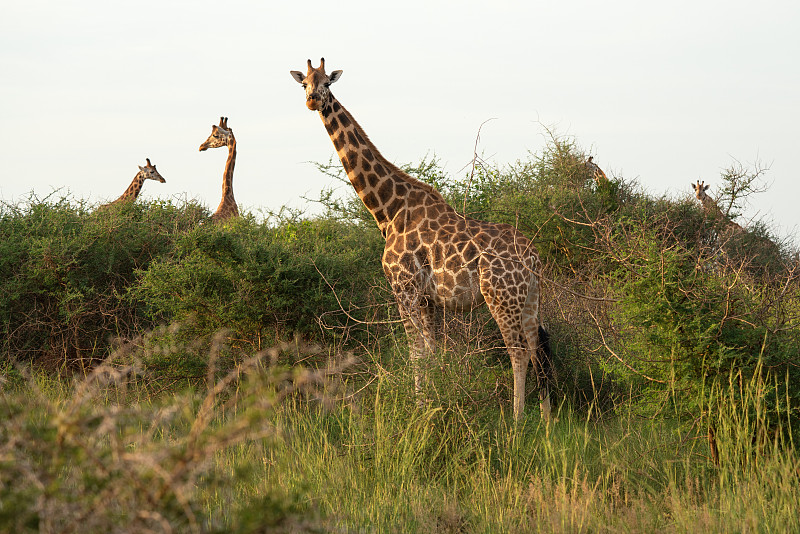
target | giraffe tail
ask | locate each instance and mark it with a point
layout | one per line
(545, 355)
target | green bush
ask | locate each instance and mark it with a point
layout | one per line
(65, 272)
(262, 282)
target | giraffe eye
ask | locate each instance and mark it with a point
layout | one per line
(305, 85)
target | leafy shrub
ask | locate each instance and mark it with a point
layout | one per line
(64, 274)
(262, 282)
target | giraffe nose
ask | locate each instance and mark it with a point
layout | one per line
(312, 102)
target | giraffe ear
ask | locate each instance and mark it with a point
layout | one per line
(334, 76)
(706, 188)
(297, 75)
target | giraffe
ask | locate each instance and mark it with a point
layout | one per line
(434, 256)
(597, 173)
(713, 210)
(222, 135)
(732, 236)
(148, 172)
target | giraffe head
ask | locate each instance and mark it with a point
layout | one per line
(700, 190)
(317, 84)
(149, 172)
(597, 173)
(221, 135)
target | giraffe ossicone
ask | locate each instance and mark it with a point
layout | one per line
(436, 257)
(222, 135)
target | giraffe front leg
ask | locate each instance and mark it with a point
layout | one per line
(418, 324)
(544, 403)
(418, 354)
(407, 279)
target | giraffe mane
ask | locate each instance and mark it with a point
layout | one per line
(400, 172)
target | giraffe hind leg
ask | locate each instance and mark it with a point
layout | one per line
(538, 346)
(543, 367)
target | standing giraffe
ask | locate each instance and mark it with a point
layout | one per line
(148, 172)
(433, 255)
(223, 136)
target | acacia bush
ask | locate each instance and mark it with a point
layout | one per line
(263, 282)
(65, 271)
(74, 280)
(649, 302)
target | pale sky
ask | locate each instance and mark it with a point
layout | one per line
(665, 93)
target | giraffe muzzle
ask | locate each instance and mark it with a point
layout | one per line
(313, 102)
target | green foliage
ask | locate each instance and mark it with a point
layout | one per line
(688, 315)
(678, 306)
(461, 474)
(64, 273)
(270, 449)
(261, 282)
(73, 281)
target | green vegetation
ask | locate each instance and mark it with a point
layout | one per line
(160, 373)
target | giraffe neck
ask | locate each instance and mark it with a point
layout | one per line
(711, 207)
(713, 210)
(383, 188)
(134, 189)
(227, 206)
(227, 178)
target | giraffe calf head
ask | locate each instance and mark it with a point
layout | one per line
(149, 172)
(220, 135)
(317, 84)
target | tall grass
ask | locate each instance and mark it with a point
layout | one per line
(382, 464)
(100, 454)
(268, 448)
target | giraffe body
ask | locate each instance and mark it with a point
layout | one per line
(148, 172)
(433, 255)
(221, 136)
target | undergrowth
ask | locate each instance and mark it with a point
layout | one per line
(160, 373)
